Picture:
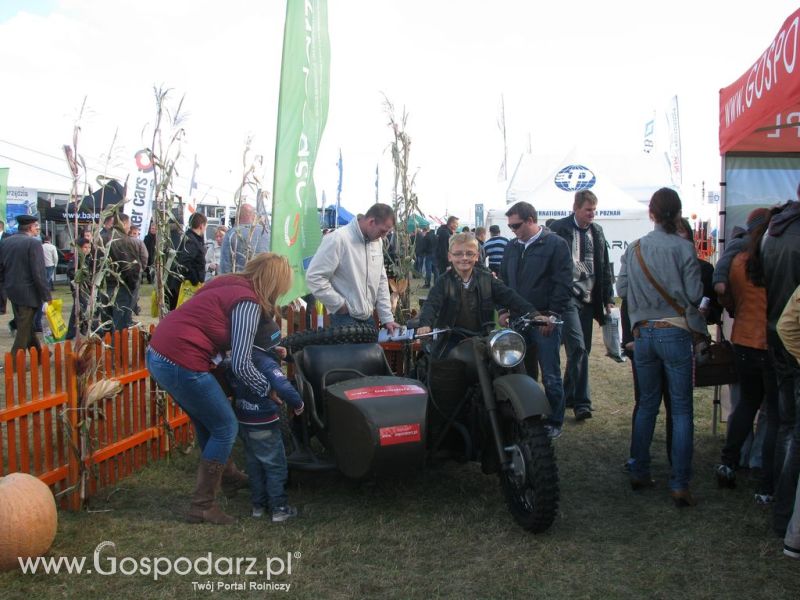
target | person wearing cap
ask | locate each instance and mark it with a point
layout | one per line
(22, 276)
(259, 424)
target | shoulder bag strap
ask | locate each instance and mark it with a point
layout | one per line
(670, 300)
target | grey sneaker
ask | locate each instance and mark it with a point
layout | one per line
(553, 431)
(282, 513)
(258, 512)
(726, 477)
(764, 499)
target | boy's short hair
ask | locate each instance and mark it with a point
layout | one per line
(462, 239)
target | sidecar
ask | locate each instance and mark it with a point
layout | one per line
(359, 417)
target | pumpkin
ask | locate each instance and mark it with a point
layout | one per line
(28, 518)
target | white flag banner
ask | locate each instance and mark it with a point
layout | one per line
(141, 192)
(674, 150)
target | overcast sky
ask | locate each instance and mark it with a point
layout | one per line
(582, 73)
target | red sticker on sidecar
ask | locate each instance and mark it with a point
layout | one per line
(400, 434)
(377, 391)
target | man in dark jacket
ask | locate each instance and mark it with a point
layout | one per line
(442, 243)
(538, 267)
(467, 296)
(121, 282)
(190, 261)
(431, 265)
(780, 256)
(592, 296)
(23, 279)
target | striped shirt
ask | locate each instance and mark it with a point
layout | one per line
(495, 247)
(244, 324)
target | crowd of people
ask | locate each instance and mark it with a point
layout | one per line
(669, 299)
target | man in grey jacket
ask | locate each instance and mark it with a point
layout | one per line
(243, 242)
(347, 273)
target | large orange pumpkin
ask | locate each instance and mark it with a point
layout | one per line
(28, 518)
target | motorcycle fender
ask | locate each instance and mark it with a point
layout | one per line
(526, 396)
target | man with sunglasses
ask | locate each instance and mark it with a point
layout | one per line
(538, 266)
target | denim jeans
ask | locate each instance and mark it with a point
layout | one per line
(669, 349)
(578, 343)
(787, 447)
(342, 320)
(548, 349)
(757, 385)
(430, 269)
(199, 394)
(266, 465)
(50, 273)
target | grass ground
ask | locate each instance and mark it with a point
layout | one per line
(446, 533)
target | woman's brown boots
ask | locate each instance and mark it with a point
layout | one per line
(204, 507)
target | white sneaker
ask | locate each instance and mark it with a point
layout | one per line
(282, 513)
(258, 512)
(791, 552)
(553, 431)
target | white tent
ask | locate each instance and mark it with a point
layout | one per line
(622, 218)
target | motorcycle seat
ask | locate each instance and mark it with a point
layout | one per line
(316, 361)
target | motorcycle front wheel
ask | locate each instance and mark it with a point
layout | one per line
(530, 484)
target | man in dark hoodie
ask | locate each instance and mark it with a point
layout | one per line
(443, 243)
(780, 256)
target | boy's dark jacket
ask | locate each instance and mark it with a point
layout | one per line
(444, 300)
(256, 411)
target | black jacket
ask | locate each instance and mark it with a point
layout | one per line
(150, 244)
(191, 259)
(442, 246)
(542, 273)
(22, 272)
(442, 307)
(603, 290)
(780, 256)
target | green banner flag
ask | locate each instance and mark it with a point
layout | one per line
(3, 195)
(302, 113)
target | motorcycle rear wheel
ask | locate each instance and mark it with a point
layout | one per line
(531, 486)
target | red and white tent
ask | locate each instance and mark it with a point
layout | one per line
(759, 130)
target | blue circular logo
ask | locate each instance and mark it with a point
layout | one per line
(575, 178)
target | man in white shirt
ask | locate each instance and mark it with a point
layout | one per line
(347, 273)
(50, 260)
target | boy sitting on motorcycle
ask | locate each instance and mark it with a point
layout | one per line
(466, 296)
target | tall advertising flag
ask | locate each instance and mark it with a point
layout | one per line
(3, 193)
(674, 150)
(141, 191)
(302, 113)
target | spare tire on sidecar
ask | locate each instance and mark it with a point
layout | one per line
(368, 421)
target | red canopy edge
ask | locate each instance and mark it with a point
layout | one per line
(760, 111)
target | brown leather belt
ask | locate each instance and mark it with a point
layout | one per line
(653, 324)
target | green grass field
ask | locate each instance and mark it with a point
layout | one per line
(444, 533)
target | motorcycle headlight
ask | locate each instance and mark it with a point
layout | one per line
(507, 348)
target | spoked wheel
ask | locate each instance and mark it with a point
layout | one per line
(531, 482)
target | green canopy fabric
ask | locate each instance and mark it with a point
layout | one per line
(417, 222)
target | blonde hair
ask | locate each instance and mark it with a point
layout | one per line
(462, 238)
(271, 277)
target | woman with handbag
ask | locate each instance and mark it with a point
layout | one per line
(757, 380)
(187, 344)
(664, 313)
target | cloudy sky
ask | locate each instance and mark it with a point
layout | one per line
(584, 73)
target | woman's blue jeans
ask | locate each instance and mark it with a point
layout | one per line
(266, 465)
(671, 349)
(199, 394)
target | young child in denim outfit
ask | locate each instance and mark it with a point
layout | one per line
(259, 425)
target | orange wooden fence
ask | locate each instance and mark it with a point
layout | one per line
(40, 419)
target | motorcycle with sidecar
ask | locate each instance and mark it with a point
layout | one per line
(466, 398)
